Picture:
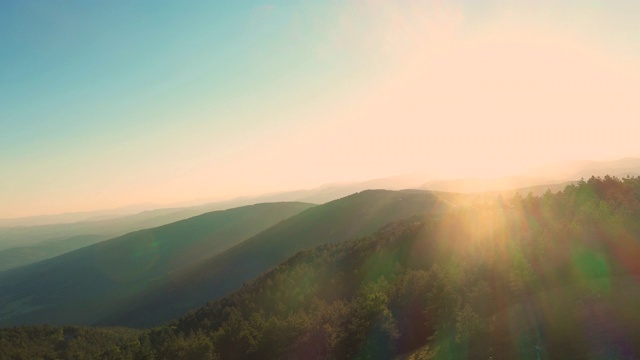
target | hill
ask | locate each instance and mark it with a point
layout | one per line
(85, 285)
(21, 236)
(74, 217)
(23, 255)
(353, 216)
(551, 277)
(37, 243)
(30, 244)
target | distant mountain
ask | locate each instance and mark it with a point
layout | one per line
(22, 245)
(574, 170)
(330, 192)
(317, 195)
(547, 175)
(36, 235)
(71, 217)
(20, 236)
(553, 277)
(554, 176)
(34, 243)
(34, 239)
(479, 185)
(24, 255)
(353, 216)
(85, 285)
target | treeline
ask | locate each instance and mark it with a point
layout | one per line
(554, 276)
(67, 342)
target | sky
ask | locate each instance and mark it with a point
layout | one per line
(111, 103)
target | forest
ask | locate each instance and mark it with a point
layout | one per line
(535, 277)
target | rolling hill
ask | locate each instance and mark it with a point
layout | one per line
(23, 255)
(353, 216)
(41, 242)
(538, 278)
(550, 277)
(30, 244)
(85, 285)
(547, 277)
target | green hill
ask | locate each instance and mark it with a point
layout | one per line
(23, 245)
(84, 286)
(554, 277)
(25, 255)
(21, 236)
(350, 217)
(551, 277)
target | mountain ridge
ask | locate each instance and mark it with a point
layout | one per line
(65, 287)
(353, 216)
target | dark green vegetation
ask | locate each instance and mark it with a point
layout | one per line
(86, 285)
(68, 342)
(550, 277)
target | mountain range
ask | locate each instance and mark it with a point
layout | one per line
(84, 286)
(149, 276)
(375, 275)
(28, 240)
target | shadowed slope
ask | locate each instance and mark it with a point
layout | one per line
(353, 216)
(85, 285)
(25, 255)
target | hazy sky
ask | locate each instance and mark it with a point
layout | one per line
(109, 103)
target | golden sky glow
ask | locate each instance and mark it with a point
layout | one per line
(342, 92)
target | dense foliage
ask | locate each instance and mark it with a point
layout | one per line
(554, 276)
(67, 342)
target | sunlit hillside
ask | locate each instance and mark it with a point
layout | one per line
(543, 277)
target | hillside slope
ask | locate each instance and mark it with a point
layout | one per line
(85, 285)
(350, 217)
(63, 237)
(553, 277)
(24, 255)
